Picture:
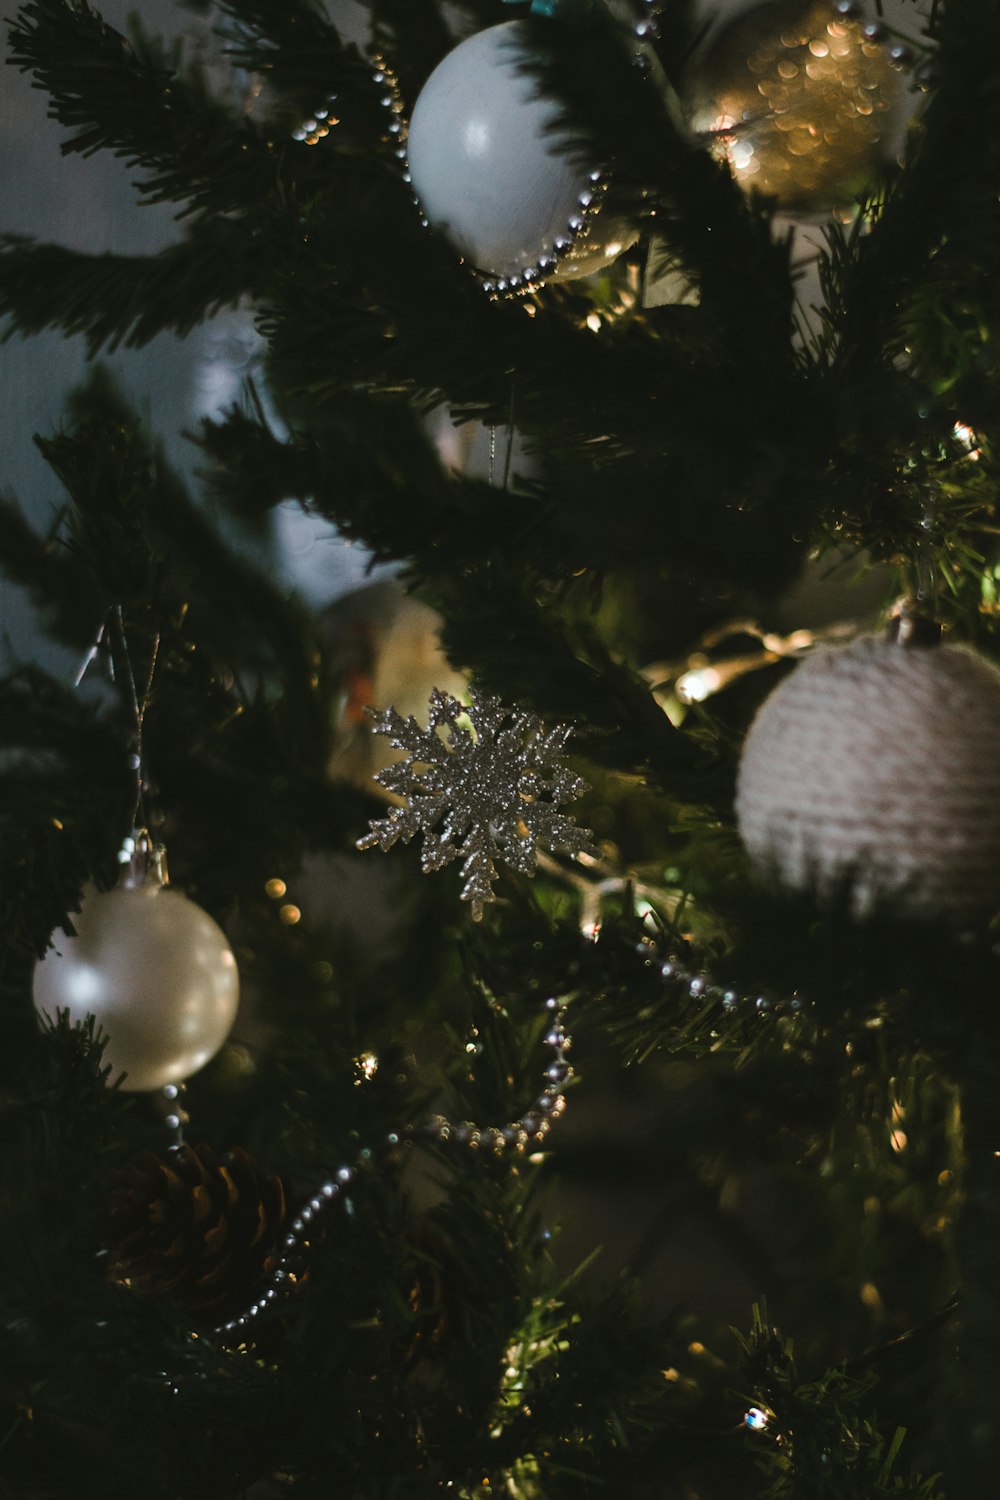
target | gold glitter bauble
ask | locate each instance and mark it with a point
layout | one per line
(802, 102)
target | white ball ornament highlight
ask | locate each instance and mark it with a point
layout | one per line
(487, 170)
(876, 770)
(153, 968)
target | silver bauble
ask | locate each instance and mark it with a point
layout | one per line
(157, 973)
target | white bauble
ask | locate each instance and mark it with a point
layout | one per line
(487, 171)
(877, 769)
(157, 973)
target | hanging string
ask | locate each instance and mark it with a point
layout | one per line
(509, 453)
(139, 702)
(924, 569)
(139, 707)
(510, 437)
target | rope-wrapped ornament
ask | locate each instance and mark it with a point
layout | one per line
(874, 772)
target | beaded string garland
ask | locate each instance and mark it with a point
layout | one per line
(516, 1136)
(677, 977)
(683, 978)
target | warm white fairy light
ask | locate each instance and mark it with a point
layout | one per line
(696, 686)
(965, 435)
(700, 679)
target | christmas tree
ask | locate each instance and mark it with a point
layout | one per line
(611, 1107)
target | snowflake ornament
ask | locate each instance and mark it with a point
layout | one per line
(498, 786)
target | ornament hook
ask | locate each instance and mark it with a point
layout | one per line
(143, 862)
(912, 626)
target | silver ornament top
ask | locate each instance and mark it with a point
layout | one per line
(911, 627)
(142, 861)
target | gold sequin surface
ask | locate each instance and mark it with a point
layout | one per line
(802, 101)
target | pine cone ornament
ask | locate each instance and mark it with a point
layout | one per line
(202, 1230)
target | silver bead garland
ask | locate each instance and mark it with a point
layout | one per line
(699, 985)
(536, 1122)
(529, 1130)
(524, 283)
(283, 1277)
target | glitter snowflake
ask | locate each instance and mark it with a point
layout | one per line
(498, 786)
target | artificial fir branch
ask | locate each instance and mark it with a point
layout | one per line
(935, 216)
(135, 100)
(115, 299)
(817, 1437)
(302, 62)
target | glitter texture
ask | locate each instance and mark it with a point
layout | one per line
(497, 784)
(803, 102)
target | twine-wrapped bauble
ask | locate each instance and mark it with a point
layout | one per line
(201, 1230)
(488, 171)
(803, 99)
(153, 968)
(876, 771)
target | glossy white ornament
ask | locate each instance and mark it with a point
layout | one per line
(488, 173)
(157, 973)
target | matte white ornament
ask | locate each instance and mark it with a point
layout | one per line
(488, 173)
(153, 968)
(877, 769)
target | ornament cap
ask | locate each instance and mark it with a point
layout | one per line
(143, 862)
(910, 627)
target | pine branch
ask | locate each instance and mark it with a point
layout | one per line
(820, 1437)
(496, 624)
(939, 220)
(142, 104)
(116, 299)
(64, 798)
(241, 706)
(69, 601)
(304, 64)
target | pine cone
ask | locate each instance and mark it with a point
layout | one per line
(203, 1230)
